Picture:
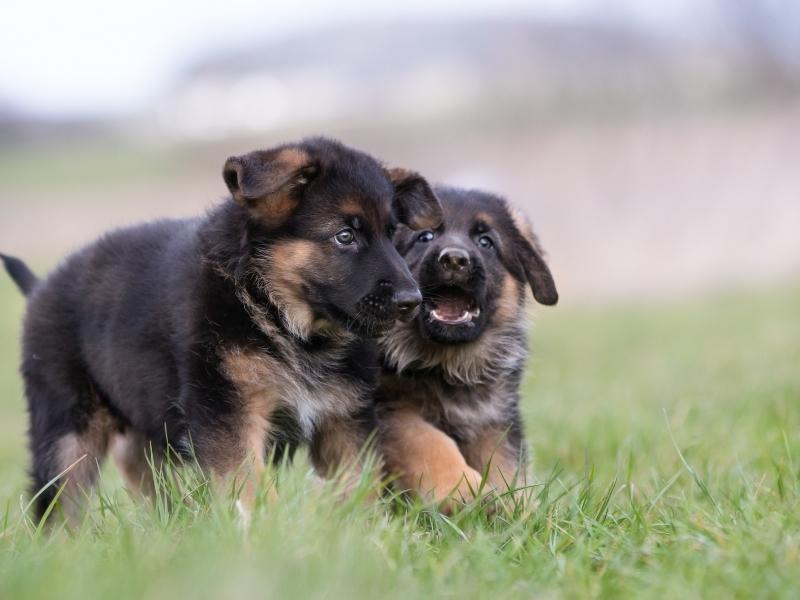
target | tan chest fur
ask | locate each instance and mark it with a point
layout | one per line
(266, 384)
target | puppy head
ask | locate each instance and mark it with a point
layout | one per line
(321, 216)
(472, 269)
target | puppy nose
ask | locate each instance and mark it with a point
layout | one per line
(454, 259)
(406, 301)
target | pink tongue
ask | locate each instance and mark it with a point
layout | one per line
(452, 308)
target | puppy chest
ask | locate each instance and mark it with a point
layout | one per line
(266, 385)
(466, 414)
(471, 407)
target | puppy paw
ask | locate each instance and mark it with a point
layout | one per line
(454, 490)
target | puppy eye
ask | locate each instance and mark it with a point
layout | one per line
(425, 236)
(485, 241)
(345, 237)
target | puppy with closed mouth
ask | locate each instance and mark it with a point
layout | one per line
(225, 337)
(448, 404)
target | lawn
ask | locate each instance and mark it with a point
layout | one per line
(667, 453)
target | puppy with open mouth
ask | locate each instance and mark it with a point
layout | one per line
(448, 405)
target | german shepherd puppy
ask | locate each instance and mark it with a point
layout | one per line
(448, 405)
(227, 336)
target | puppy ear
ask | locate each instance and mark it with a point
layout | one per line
(268, 182)
(530, 256)
(414, 201)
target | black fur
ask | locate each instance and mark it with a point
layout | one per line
(20, 273)
(130, 335)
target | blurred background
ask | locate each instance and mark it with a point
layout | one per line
(654, 145)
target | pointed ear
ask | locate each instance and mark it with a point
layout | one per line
(415, 204)
(268, 182)
(529, 254)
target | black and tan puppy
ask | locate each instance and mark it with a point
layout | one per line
(225, 336)
(448, 406)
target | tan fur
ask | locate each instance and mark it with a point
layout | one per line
(523, 225)
(536, 270)
(430, 217)
(284, 268)
(335, 450)
(293, 159)
(83, 454)
(511, 301)
(264, 384)
(485, 218)
(352, 208)
(335, 445)
(279, 204)
(489, 448)
(131, 451)
(277, 209)
(396, 174)
(426, 460)
(469, 364)
(289, 383)
(247, 371)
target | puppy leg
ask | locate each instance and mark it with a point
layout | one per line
(426, 460)
(335, 448)
(234, 455)
(131, 451)
(72, 456)
(500, 449)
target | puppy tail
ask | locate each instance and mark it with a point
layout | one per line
(20, 273)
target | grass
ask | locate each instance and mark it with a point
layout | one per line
(667, 445)
(89, 163)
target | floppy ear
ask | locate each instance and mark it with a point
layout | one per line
(268, 182)
(414, 201)
(529, 254)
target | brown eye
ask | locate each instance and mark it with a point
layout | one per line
(345, 237)
(485, 241)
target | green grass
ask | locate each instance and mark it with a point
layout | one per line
(89, 163)
(667, 452)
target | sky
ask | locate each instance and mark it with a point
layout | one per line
(74, 58)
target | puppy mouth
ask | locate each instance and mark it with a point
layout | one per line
(369, 325)
(452, 307)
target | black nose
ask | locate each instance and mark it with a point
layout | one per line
(454, 259)
(406, 301)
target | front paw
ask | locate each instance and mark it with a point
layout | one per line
(452, 490)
